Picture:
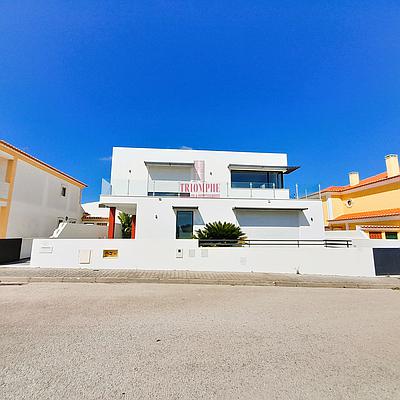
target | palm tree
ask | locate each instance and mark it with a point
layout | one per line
(221, 234)
(126, 224)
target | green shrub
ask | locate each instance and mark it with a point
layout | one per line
(221, 233)
(126, 224)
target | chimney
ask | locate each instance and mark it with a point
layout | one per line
(354, 178)
(392, 165)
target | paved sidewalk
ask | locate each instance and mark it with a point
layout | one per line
(21, 275)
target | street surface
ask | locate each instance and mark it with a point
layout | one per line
(165, 341)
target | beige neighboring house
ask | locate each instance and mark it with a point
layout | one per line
(34, 196)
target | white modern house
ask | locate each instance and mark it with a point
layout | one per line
(172, 193)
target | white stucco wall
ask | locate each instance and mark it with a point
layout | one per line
(156, 216)
(128, 164)
(162, 255)
(37, 202)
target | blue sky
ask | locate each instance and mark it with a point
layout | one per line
(318, 80)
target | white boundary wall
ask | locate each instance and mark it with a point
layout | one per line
(79, 231)
(186, 255)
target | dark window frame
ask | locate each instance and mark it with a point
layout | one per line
(177, 225)
(256, 179)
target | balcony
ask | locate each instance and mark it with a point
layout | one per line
(166, 188)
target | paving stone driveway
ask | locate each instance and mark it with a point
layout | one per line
(24, 274)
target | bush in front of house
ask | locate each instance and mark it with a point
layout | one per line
(220, 234)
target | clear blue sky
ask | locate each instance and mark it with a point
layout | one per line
(318, 80)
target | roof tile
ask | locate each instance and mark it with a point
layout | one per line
(372, 179)
(368, 214)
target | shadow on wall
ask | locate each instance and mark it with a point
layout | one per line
(197, 218)
(262, 218)
(172, 173)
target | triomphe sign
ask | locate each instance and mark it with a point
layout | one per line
(200, 189)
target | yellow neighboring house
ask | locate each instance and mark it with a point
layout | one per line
(371, 204)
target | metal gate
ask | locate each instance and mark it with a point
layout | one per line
(387, 261)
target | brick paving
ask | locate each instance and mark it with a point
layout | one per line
(25, 274)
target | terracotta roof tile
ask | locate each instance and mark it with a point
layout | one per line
(372, 179)
(369, 214)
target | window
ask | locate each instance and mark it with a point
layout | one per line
(375, 235)
(256, 179)
(63, 191)
(391, 235)
(184, 224)
(349, 203)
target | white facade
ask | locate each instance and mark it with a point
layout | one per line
(37, 197)
(240, 187)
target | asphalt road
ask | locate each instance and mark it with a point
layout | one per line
(155, 341)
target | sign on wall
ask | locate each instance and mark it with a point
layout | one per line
(200, 189)
(110, 253)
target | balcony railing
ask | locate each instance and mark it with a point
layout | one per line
(332, 243)
(161, 188)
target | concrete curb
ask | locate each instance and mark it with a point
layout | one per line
(17, 280)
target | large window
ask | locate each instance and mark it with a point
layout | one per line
(184, 224)
(256, 179)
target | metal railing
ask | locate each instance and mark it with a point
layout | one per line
(332, 243)
(306, 191)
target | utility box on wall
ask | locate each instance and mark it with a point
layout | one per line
(179, 253)
(84, 256)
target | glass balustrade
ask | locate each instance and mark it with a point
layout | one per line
(169, 188)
